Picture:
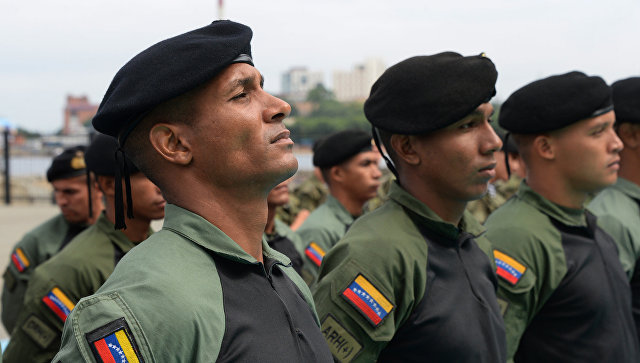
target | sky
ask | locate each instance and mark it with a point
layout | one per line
(49, 49)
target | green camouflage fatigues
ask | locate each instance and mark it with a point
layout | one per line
(403, 285)
(564, 294)
(190, 294)
(310, 194)
(618, 211)
(56, 285)
(320, 232)
(36, 246)
(496, 196)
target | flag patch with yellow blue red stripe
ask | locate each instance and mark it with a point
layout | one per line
(20, 261)
(113, 343)
(315, 253)
(59, 303)
(508, 268)
(367, 300)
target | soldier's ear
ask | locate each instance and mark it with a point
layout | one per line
(629, 134)
(544, 146)
(171, 142)
(107, 185)
(403, 146)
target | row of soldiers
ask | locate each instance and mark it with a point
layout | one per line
(417, 278)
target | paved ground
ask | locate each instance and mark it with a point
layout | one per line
(15, 220)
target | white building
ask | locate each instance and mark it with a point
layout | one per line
(298, 81)
(355, 85)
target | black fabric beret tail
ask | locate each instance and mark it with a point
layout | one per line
(339, 147)
(626, 100)
(166, 70)
(68, 164)
(426, 93)
(555, 102)
(101, 156)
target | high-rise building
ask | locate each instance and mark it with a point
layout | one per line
(77, 111)
(355, 85)
(298, 81)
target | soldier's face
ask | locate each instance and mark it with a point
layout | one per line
(240, 138)
(72, 198)
(280, 194)
(361, 175)
(148, 203)
(458, 161)
(587, 153)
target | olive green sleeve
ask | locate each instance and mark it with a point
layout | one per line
(392, 278)
(623, 239)
(316, 240)
(542, 266)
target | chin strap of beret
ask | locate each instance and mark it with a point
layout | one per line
(387, 160)
(122, 170)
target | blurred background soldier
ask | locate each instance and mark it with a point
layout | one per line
(78, 209)
(87, 261)
(350, 168)
(277, 233)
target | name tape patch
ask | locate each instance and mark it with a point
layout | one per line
(367, 300)
(508, 268)
(59, 303)
(113, 343)
(314, 253)
(20, 261)
(343, 345)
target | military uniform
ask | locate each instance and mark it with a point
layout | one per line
(58, 284)
(618, 211)
(403, 285)
(310, 193)
(320, 232)
(549, 259)
(496, 196)
(284, 240)
(36, 247)
(219, 304)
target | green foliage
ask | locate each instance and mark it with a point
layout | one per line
(28, 134)
(327, 117)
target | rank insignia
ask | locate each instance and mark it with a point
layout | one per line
(19, 259)
(114, 342)
(367, 300)
(508, 268)
(59, 303)
(314, 253)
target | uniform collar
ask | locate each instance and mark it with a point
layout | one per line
(627, 187)
(116, 236)
(198, 230)
(568, 216)
(339, 210)
(467, 224)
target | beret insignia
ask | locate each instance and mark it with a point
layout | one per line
(78, 161)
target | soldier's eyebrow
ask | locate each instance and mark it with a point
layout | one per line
(242, 83)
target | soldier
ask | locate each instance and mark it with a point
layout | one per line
(350, 168)
(86, 263)
(411, 281)
(618, 207)
(277, 233)
(192, 114)
(67, 175)
(563, 292)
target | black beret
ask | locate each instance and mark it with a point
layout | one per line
(555, 102)
(101, 156)
(508, 145)
(426, 93)
(169, 69)
(68, 164)
(340, 146)
(626, 100)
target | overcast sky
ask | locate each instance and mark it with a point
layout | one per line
(49, 49)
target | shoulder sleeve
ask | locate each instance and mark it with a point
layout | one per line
(623, 239)
(529, 267)
(313, 244)
(363, 293)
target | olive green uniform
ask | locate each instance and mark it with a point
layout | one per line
(36, 246)
(403, 285)
(284, 240)
(320, 232)
(618, 211)
(190, 294)
(564, 294)
(56, 285)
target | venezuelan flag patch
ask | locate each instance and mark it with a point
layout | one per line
(19, 260)
(314, 253)
(367, 300)
(59, 303)
(113, 343)
(508, 268)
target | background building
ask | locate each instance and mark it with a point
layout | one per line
(77, 111)
(298, 81)
(355, 85)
